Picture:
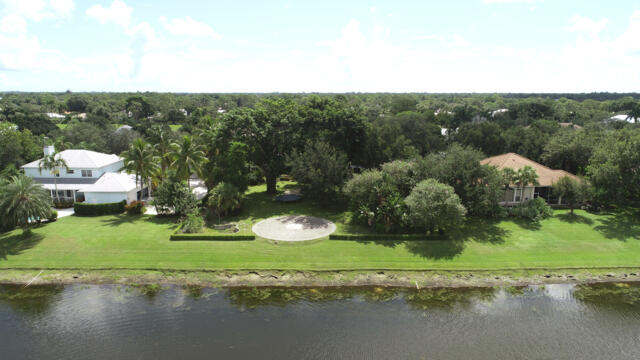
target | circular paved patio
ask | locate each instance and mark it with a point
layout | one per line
(294, 228)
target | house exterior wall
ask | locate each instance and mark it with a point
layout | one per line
(110, 197)
(101, 198)
(77, 172)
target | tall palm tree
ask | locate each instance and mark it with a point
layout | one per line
(23, 201)
(188, 158)
(140, 160)
(525, 176)
(163, 150)
(53, 163)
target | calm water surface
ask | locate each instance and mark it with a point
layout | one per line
(172, 322)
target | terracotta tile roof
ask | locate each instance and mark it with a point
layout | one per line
(546, 176)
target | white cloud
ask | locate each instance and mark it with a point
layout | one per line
(586, 25)
(37, 10)
(509, 1)
(118, 12)
(187, 26)
(13, 23)
(62, 7)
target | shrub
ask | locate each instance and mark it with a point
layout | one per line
(402, 174)
(361, 189)
(83, 209)
(535, 209)
(135, 208)
(193, 223)
(53, 216)
(434, 206)
(376, 201)
(173, 196)
(480, 187)
(62, 204)
(223, 199)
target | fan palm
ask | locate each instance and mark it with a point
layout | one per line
(23, 201)
(525, 176)
(53, 163)
(188, 158)
(141, 161)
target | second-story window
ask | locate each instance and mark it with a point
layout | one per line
(86, 173)
(69, 171)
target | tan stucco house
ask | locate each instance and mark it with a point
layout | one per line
(546, 178)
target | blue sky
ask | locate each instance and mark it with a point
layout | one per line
(327, 46)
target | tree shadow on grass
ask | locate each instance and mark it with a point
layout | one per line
(451, 244)
(117, 220)
(621, 225)
(527, 224)
(574, 219)
(17, 243)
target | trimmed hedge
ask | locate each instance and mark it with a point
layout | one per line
(208, 237)
(381, 237)
(177, 236)
(83, 209)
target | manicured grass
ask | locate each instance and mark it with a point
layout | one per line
(583, 240)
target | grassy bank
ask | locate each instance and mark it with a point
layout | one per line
(121, 242)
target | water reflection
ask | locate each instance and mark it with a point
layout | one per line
(32, 300)
(599, 321)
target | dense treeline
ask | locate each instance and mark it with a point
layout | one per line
(243, 139)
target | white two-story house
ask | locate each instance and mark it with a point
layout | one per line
(91, 177)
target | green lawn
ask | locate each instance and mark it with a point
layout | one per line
(584, 240)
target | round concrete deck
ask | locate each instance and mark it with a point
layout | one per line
(294, 228)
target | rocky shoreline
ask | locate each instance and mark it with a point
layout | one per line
(413, 279)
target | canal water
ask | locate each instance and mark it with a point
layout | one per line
(599, 321)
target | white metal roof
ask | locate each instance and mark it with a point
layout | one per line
(82, 159)
(63, 186)
(112, 182)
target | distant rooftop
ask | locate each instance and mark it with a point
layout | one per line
(81, 159)
(546, 176)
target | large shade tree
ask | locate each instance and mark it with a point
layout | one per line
(23, 202)
(271, 130)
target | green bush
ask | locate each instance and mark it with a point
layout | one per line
(535, 209)
(135, 208)
(434, 206)
(223, 199)
(83, 209)
(62, 204)
(53, 216)
(193, 223)
(173, 196)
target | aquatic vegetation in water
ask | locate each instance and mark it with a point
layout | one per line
(30, 300)
(612, 295)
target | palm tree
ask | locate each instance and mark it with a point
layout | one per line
(188, 158)
(53, 163)
(140, 160)
(163, 150)
(23, 201)
(634, 113)
(525, 176)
